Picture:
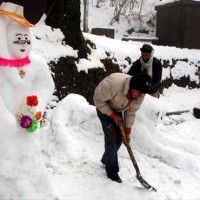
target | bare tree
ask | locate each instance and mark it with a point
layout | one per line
(85, 16)
(121, 9)
(129, 9)
(100, 3)
(112, 3)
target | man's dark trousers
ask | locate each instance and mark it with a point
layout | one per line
(113, 141)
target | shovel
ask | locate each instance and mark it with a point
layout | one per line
(138, 175)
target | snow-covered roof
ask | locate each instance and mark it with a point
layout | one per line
(161, 3)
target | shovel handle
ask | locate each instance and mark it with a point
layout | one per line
(138, 176)
(130, 152)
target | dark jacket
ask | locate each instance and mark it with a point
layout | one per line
(157, 73)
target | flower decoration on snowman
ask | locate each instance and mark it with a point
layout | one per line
(30, 118)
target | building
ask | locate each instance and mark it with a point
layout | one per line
(178, 24)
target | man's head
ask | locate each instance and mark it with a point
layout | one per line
(146, 52)
(140, 84)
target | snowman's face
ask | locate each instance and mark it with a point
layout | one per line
(19, 41)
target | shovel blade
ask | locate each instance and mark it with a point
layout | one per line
(144, 183)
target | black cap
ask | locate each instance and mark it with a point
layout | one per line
(141, 82)
(146, 48)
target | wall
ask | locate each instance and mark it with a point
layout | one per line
(178, 24)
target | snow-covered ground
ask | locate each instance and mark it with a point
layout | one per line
(167, 151)
(166, 147)
(101, 17)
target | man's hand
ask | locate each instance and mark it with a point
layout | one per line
(125, 134)
(116, 118)
(126, 139)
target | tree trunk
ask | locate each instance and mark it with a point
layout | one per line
(85, 16)
(65, 14)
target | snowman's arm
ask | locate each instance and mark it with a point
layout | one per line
(43, 86)
(7, 120)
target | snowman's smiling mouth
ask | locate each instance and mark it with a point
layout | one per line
(22, 50)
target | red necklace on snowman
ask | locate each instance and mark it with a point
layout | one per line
(4, 62)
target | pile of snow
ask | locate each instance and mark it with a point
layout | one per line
(166, 148)
(167, 151)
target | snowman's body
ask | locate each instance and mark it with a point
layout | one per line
(22, 171)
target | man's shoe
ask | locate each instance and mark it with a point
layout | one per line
(103, 161)
(115, 177)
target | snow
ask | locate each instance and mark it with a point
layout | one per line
(166, 147)
(167, 152)
(96, 20)
(50, 40)
(102, 17)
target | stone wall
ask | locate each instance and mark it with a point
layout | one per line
(69, 80)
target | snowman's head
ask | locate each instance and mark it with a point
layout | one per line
(15, 32)
(18, 40)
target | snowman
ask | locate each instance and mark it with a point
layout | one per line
(26, 86)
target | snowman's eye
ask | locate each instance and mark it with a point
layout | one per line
(19, 38)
